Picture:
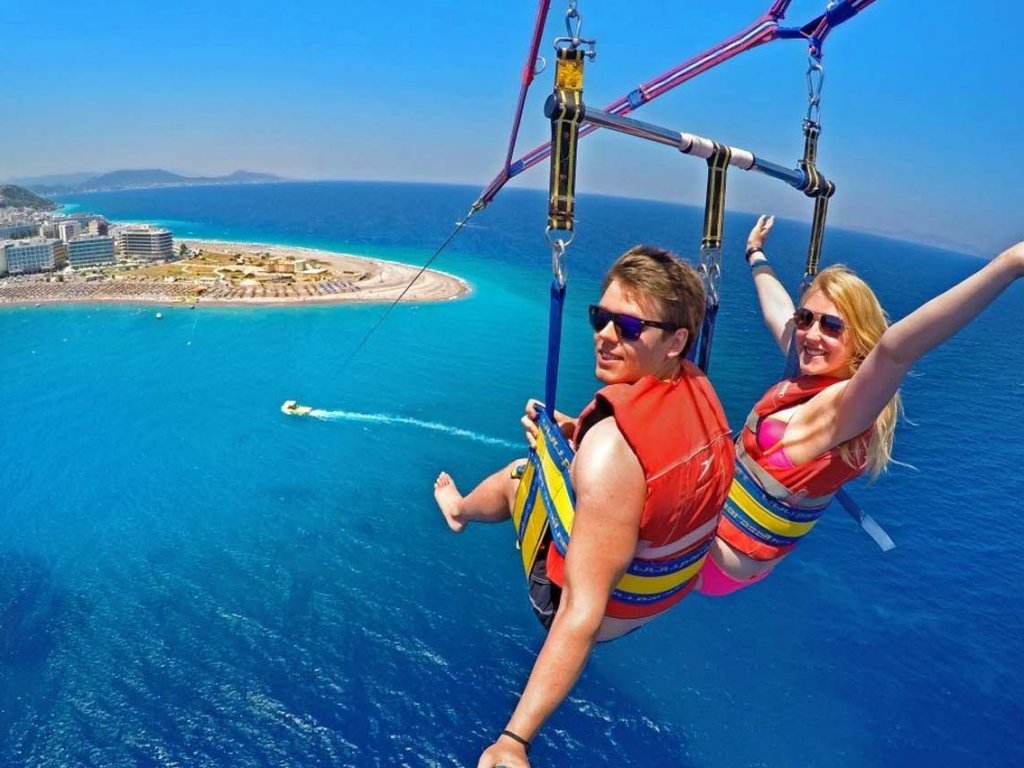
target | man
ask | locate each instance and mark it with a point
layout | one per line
(653, 466)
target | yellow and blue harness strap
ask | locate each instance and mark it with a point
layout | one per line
(763, 525)
(650, 581)
(545, 505)
(755, 512)
(545, 491)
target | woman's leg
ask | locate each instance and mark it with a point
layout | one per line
(490, 502)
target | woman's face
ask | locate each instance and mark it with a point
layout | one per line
(618, 360)
(820, 353)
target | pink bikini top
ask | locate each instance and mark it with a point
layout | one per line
(770, 434)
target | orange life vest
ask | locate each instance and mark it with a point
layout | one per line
(771, 508)
(678, 431)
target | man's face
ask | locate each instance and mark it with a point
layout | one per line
(618, 360)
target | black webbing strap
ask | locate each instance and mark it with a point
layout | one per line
(818, 230)
(714, 200)
(813, 179)
(821, 189)
(710, 267)
(565, 108)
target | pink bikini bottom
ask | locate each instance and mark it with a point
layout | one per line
(714, 582)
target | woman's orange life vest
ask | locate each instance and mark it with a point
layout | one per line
(808, 487)
(678, 431)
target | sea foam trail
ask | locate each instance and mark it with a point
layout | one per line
(387, 418)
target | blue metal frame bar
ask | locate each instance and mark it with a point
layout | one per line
(795, 177)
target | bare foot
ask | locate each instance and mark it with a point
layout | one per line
(448, 498)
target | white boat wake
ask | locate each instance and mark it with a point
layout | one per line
(387, 418)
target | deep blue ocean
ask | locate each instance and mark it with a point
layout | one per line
(190, 578)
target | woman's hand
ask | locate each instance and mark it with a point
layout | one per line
(760, 231)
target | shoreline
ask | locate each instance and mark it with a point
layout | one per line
(378, 281)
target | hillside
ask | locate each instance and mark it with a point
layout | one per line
(12, 196)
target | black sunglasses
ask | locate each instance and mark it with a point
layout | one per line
(830, 325)
(628, 327)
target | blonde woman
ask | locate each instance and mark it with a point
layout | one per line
(835, 420)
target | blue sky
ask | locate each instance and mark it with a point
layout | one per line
(921, 106)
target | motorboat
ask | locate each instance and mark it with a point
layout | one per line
(292, 408)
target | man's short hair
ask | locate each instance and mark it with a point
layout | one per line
(657, 276)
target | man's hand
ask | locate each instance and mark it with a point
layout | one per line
(529, 421)
(504, 752)
(567, 424)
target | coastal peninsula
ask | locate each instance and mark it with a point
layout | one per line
(212, 272)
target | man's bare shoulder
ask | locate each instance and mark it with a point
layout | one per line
(605, 466)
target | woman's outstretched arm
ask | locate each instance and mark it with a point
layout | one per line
(905, 342)
(776, 304)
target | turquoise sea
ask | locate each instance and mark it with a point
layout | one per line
(190, 578)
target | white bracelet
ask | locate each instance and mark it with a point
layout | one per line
(758, 260)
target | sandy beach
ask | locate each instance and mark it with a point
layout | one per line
(351, 278)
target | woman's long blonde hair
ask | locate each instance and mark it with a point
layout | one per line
(865, 322)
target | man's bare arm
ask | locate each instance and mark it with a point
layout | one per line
(610, 494)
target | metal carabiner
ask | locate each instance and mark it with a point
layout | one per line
(573, 25)
(558, 261)
(573, 18)
(553, 239)
(815, 80)
(558, 267)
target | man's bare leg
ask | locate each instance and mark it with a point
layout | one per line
(489, 502)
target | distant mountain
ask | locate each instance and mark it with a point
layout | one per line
(161, 178)
(135, 179)
(12, 196)
(56, 180)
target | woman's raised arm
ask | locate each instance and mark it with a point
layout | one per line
(905, 342)
(776, 304)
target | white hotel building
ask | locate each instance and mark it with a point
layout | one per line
(32, 255)
(90, 250)
(145, 242)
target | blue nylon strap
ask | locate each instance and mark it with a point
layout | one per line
(707, 336)
(790, 33)
(554, 345)
(817, 29)
(840, 12)
(868, 523)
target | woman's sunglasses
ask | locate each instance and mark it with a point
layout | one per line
(830, 325)
(628, 327)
